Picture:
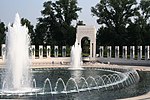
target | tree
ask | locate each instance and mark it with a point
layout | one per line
(40, 30)
(115, 16)
(145, 7)
(134, 36)
(67, 10)
(52, 31)
(2, 32)
(139, 31)
(144, 21)
(3, 29)
(57, 18)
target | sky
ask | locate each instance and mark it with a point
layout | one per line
(30, 9)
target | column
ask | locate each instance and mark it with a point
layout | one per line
(132, 52)
(116, 51)
(63, 51)
(94, 49)
(40, 51)
(101, 51)
(139, 52)
(124, 52)
(3, 51)
(146, 52)
(48, 51)
(108, 51)
(33, 51)
(56, 51)
(91, 52)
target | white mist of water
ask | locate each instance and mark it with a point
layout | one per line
(17, 59)
(76, 56)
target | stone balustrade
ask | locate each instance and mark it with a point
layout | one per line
(118, 52)
(125, 52)
(41, 50)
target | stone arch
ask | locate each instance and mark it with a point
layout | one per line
(87, 31)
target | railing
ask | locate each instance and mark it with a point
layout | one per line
(120, 52)
(42, 51)
(125, 52)
(128, 55)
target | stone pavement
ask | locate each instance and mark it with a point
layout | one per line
(142, 97)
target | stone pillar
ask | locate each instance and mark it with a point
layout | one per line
(124, 52)
(48, 51)
(33, 51)
(101, 51)
(92, 50)
(108, 51)
(3, 51)
(139, 52)
(132, 52)
(56, 51)
(116, 51)
(146, 52)
(41, 52)
(63, 51)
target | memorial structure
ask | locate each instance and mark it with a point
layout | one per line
(90, 32)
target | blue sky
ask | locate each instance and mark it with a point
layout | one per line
(30, 9)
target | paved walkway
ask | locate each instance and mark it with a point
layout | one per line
(142, 97)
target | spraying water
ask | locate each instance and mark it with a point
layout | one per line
(17, 59)
(76, 56)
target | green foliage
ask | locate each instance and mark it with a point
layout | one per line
(123, 22)
(39, 34)
(55, 27)
(145, 7)
(2, 32)
(67, 10)
(3, 29)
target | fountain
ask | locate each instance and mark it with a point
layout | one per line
(76, 56)
(47, 83)
(17, 78)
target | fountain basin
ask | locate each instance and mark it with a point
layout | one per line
(49, 81)
(22, 91)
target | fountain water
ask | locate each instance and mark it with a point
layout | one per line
(74, 84)
(17, 77)
(76, 56)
